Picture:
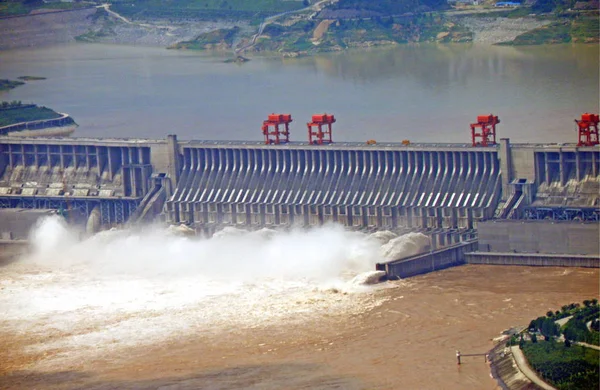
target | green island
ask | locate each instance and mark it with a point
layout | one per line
(31, 78)
(7, 85)
(557, 346)
(17, 112)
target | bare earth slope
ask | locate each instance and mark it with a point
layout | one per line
(44, 29)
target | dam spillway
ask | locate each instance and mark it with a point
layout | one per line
(207, 185)
(354, 185)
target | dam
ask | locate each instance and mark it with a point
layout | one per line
(206, 185)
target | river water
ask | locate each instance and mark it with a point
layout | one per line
(260, 310)
(424, 93)
(124, 310)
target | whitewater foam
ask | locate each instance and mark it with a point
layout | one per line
(123, 288)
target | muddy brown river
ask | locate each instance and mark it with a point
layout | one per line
(404, 337)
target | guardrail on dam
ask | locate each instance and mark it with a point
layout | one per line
(381, 186)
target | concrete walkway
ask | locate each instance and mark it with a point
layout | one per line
(528, 372)
(597, 348)
(563, 321)
(561, 339)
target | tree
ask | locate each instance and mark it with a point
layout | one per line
(567, 343)
(549, 313)
(549, 328)
(534, 338)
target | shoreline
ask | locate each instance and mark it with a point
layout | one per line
(86, 27)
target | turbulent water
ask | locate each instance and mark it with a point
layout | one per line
(124, 288)
(260, 310)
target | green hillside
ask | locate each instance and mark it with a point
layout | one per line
(23, 7)
(392, 7)
(204, 9)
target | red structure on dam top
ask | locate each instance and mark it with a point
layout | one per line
(271, 131)
(483, 133)
(588, 130)
(320, 136)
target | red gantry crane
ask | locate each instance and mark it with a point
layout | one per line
(483, 133)
(588, 130)
(271, 131)
(320, 136)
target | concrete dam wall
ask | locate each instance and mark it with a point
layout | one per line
(357, 186)
(103, 180)
(110, 182)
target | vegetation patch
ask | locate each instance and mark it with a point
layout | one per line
(572, 367)
(580, 30)
(31, 78)
(16, 112)
(6, 85)
(391, 7)
(349, 33)
(558, 359)
(203, 9)
(217, 39)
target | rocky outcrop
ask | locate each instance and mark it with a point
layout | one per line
(498, 30)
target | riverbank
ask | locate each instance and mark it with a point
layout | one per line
(288, 35)
(505, 370)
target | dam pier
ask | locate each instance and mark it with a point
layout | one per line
(453, 192)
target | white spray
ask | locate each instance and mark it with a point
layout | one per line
(131, 287)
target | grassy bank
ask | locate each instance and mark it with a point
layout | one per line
(312, 36)
(583, 29)
(217, 39)
(572, 367)
(566, 365)
(15, 112)
(6, 85)
(31, 78)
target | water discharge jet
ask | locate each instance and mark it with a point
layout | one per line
(123, 288)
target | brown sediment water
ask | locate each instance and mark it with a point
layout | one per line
(404, 337)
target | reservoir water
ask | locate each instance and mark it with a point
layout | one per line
(424, 93)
